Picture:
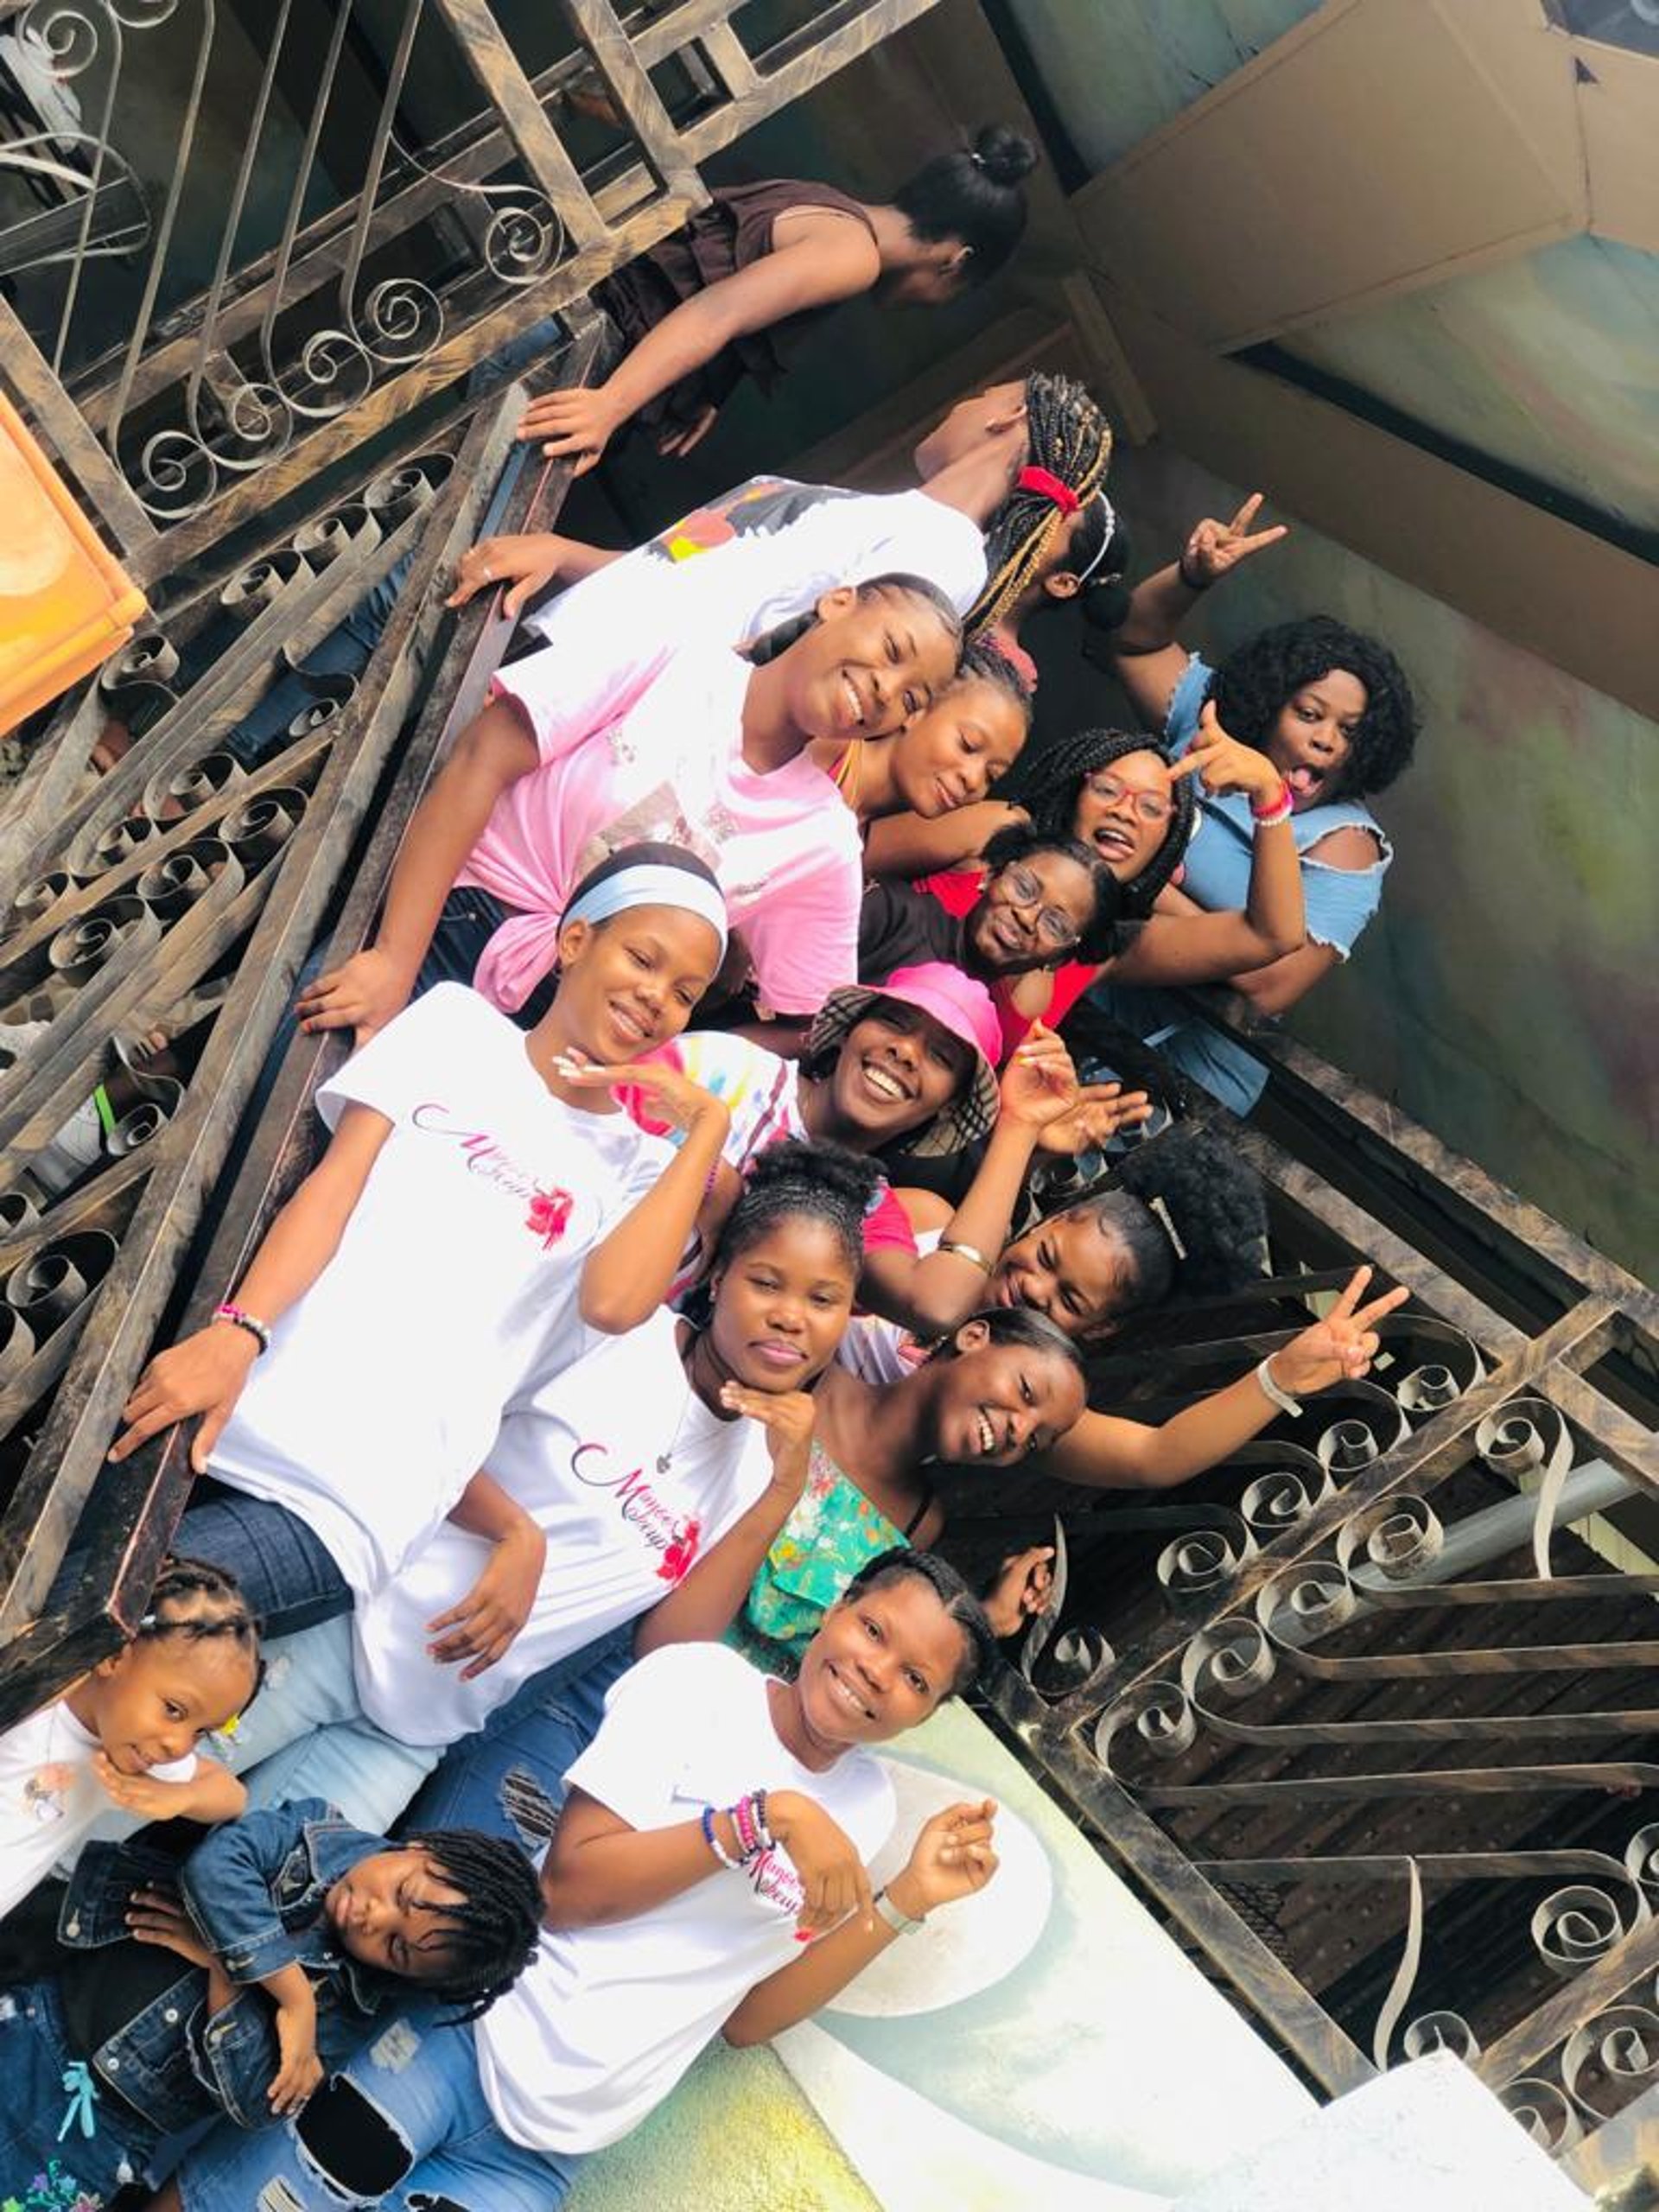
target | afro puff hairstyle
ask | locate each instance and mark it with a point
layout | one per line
(1048, 783)
(1192, 1183)
(1259, 677)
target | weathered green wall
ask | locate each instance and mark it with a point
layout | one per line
(1506, 997)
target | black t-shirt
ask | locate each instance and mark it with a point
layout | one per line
(901, 927)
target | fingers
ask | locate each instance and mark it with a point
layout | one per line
(1247, 513)
(149, 1424)
(1264, 537)
(865, 1901)
(1379, 1306)
(208, 1431)
(1343, 1310)
(513, 604)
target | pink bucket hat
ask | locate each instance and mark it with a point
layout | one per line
(959, 1005)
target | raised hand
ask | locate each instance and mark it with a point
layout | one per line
(484, 1624)
(951, 1857)
(787, 1417)
(1040, 1084)
(1100, 1111)
(204, 1375)
(1221, 763)
(667, 1097)
(363, 993)
(1338, 1349)
(834, 1882)
(1021, 1589)
(524, 561)
(578, 423)
(1214, 549)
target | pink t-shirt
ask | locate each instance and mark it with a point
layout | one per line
(653, 749)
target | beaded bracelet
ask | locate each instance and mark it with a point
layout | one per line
(759, 1801)
(260, 1330)
(711, 1837)
(1280, 810)
(743, 1818)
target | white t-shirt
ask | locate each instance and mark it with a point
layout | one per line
(630, 1477)
(771, 549)
(456, 1275)
(606, 2020)
(880, 1351)
(50, 1798)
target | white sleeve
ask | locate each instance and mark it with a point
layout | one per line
(395, 1069)
(652, 1715)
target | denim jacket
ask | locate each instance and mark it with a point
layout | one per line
(255, 1891)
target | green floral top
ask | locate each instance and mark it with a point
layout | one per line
(833, 1530)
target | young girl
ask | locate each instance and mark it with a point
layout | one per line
(1001, 1389)
(580, 752)
(1332, 712)
(717, 1817)
(474, 1209)
(288, 1935)
(653, 1471)
(899, 1072)
(1185, 1220)
(126, 1735)
(725, 297)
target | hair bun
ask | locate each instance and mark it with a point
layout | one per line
(1003, 154)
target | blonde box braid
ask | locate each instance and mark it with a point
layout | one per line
(1068, 436)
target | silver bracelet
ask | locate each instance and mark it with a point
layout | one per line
(900, 1923)
(1275, 1391)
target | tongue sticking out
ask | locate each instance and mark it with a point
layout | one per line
(1303, 781)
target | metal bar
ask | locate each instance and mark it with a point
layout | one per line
(511, 92)
(634, 93)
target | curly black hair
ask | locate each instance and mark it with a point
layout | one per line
(488, 1937)
(1102, 937)
(823, 1181)
(984, 661)
(1258, 679)
(1048, 783)
(1187, 1186)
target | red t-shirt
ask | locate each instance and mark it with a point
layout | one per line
(958, 890)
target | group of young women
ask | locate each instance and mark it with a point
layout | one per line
(569, 1440)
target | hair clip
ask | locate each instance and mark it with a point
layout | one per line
(149, 1620)
(1158, 1207)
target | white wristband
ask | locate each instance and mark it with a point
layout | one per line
(1274, 1391)
(899, 1920)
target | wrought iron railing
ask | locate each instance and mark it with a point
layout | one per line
(407, 188)
(1358, 1710)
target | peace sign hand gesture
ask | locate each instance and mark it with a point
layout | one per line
(1216, 547)
(1338, 1349)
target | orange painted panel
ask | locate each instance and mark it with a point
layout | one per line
(66, 604)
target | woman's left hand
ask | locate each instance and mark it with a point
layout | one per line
(1100, 1111)
(670, 1098)
(577, 423)
(1340, 1348)
(484, 1624)
(951, 1859)
(1021, 1589)
(158, 1917)
(787, 1417)
(1040, 1084)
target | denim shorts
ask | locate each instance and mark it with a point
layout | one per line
(66, 2140)
(405, 2124)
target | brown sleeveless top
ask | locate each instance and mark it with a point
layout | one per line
(731, 232)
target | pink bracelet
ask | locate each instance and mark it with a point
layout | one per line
(1280, 810)
(259, 1330)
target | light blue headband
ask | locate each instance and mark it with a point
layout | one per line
(651, 884)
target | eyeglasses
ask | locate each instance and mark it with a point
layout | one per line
(1151, 807)
(1055, 927)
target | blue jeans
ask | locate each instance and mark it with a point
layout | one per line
(60, 2132)
(344, 652)
(469, 919)
(406, 2124)
(508, 1779)
(287, 1573)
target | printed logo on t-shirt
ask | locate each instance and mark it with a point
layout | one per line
(549, 1214)
(45, 1790)
(658, 1521)
(776, 1883)
(756, 509)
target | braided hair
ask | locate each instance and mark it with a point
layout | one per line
(983, 661)
(974, 197)
(1049, 786)
(490, 1936)
(899, 1564)
(1257, 679)
(1067, 434)
(201, 1602)
(771, 643)
(824, 1182)
(1100, 937)
(1190, 1185)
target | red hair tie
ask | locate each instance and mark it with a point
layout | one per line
(1044, 480)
